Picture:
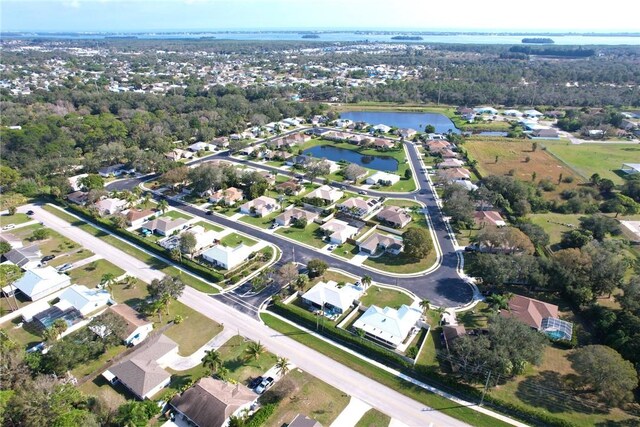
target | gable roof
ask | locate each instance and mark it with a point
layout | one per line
(136, 214)
(394, 215)
(491, 217)
(388, 324)
(302, 420)
(210, 401)
(133, 319)
(378, 239)
(40, 280)
(355, 202)
(297, 213)
(22, 256)
(330, 293)
(529, 310)
(85, 300)
(164, 224)
(325, 192)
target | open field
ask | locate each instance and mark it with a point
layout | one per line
(234, 239)
(209, 226)
(308, 235)
(241, 367)
(604, 159)
(512, 154)
(374, 418)
(176, 215)
(90, 275)
(383, 297)
(18, 218)
(299, 392)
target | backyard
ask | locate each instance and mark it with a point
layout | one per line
(385, 297)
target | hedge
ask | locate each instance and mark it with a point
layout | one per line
(428, 375)
(261, 415)
(190, 265)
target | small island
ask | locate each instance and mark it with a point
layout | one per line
(310, 36)
(538, 40)
(406, 38)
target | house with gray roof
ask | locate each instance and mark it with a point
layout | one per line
(27, 257)
(294, 214)
(165, 226)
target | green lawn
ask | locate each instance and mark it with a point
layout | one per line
(419, 394)
(150, 260)
(374, 418)
(401, 263)
(18, 218)
(403, 203)
(193, 332)
(262, 222)
(25, 338)
(71, 257)
(604, 159)
(241, 367)
(176, 215)
(209, 227)
(346, 250)
(553, 224)
(234, 239)
(310, 235)
(91, 274)
(54, 244)
(477, 317)
(300, 393)
(383, 297)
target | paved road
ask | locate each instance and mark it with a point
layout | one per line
(356, 385)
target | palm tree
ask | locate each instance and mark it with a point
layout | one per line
(366, 281)
(498, 302)
(223, 373)
(129, 281)
(146, 199)
(254, 350)
(424, 305)
(163, 205)
(108, 280)
(282, 366)
(212, 360)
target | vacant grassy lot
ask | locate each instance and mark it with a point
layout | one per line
(512, 154)
(70, 257)
(604, 159)
(401, 263)
(234, 239)
(91, 274)
(262, 222)
(193, 332)
(301, 393)
(309, 235)
(176, 215)
(18, 218)
(556, 224)
(383, 297)
(241, 367)
(374, 418)
(208, 226)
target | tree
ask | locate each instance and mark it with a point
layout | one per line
(223, 373)
(417, 243)
(136, 413)
(108, 280)
(595, 179)
(600, 226)
(575, 238)
(366, 281)
(301, 281)
(606, 186)
(458, 205)
(602, 370)
(630, 299)
(288, 273)
(317, 168)
(176, 254)
(129, 281)
(536, 234)
(119, 221)
(504, 239)
(211, 360)
(175, 176)
(40, 234)
(282, 366)
(8, 176)
(110, 327)
(353, 171)
(408, 174)
(300, 222)
(169, 285)
(91, 182)
(254, 350)
(188, 242)
(163, 205)
(317, 267)
(498, 302)
(12, 210)
(424, 305)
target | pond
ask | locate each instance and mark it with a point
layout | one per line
(381, 163)
(441, 122)
(492, 133)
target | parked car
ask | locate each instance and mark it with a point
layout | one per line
(65, 267)
(9, 227)
(274, 226)
(264, 385)
(209, 212)
(47, 258)
(255, 382)
(30, 212)
(332, 247)
(362, 192)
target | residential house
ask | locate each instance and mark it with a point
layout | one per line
(229, 196)
(450, 163)
(388, 326)
(338, 231)
(138, 328)
(136, 217)
(437, 145)
(539, 315)
(78, 197)
(482, 218)
(328, 194)
(38, 283)
(227, 257)
(629, 125)
(394, 216)
(485, 110)
(448, 154)
(290, 188)
(467, 185)
(110, 206)
(302, 420)
(454, 174)
(383, 178)
(141, 372)
(293, 214)
(331, 296)
(317, 131)
(407, 133)
(86, 300)
(200, 146)
(220, 142)
(381, 128)
(27, 257)
(381, 242)
(113, 170)
(533, 114)
(204, 238)
(512, 113)
(544, 133)
(177, 154)
(464, 110)
(383, 144)
(211, 402)
(164, 226)
(74, 181)
(357, 206)
(631, 168)
(260, 206)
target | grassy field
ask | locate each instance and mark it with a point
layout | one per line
(309, 235)
(208, 226)
(374, 418)
(383, 297)
(346, 250)
(262, 222)
(512, 154)
(90, 275)
(176, 215)
(23, 337)
(434, 401)
(401, 263)
(604, 159)
(555, 224)
(241, 368)
(300, 393)
(234, 239)
(18, 218)
(71, 257)
(403, 203)
(193, 332)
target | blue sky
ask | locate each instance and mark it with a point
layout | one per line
(144, 15)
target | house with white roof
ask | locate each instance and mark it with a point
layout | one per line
(631, 168)
(326, 193)
(201, 146)
(85, 300)
(485, 110)
(40, 282)
(331, 296)
(383, 178)
(260, 206)
(533, 113)
(357, 206)
(512, 113)
(338, 231)
(165, 226)
(227, 257)
(111, 206)
(388, 326)
(381, 128)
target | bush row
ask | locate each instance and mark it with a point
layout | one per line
(422, 373)
(190, 265)
(261, 415)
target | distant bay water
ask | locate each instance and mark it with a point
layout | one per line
(463, 38)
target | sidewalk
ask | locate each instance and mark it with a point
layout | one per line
(182, 363)
(351, 414)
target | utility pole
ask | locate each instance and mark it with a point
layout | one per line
(486, 386)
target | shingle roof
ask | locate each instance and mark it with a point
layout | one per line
(529, 310)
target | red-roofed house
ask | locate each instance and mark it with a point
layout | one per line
(483, 218)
